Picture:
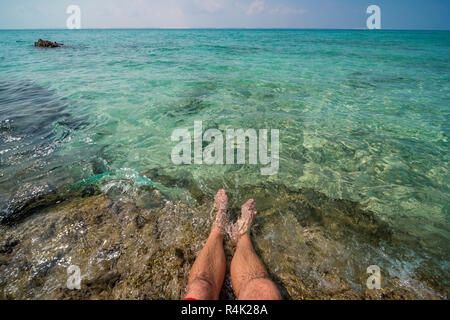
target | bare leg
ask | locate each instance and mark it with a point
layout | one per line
(248, 275)
(208, 272)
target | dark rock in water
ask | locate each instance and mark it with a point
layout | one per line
(8, 246)
(35, 203)
(140, 221)
(39, 121)
(186, 181)
(47, 44)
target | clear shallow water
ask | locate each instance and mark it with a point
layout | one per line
(363, 116)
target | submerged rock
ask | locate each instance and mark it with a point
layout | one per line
(8, 246)
(47, 44)
(37, 202)
(130, 252)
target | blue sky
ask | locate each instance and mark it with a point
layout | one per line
(396, 14)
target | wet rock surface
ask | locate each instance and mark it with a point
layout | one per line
(29, 144)
(47, 44)
(127, 251)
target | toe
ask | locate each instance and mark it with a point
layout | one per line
(250, 204)
(221, 194)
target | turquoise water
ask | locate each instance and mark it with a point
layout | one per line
(363, 116)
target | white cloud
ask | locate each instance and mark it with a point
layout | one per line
(144, 14)
(210, 5)
(256, 6)
(285, 10)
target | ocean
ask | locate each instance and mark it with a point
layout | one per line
(363, 119)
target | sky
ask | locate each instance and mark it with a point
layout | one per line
(329, 14)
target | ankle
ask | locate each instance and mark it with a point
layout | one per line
(216, 232)
(243, 238)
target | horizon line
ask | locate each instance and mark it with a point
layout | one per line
(213, 28)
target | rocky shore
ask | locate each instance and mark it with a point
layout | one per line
(144, 250)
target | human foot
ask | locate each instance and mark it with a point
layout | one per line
(221, 204)
(244, 224)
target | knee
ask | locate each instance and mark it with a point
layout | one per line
(259, 289)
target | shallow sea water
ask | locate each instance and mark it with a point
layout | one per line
(363, 117)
